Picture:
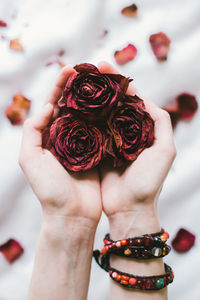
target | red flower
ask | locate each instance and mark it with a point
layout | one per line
(91, 93)
(11, 250)
(183, 241)
(76, 145)
(126, 54)
(160, 43)
(131, 130)
(18, 110)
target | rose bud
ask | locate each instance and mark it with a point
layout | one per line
(92, 93)
(160, 43)
(187, 106)
(126, 54)
(11, 250)
(131, 130)
(76, 145)
(17, 111)
(130, 11)
(183, 241)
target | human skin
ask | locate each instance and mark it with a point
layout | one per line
(71, 205)
(130, 197)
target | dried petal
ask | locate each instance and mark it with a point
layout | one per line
(16, 45)
(126, 54)
(187, 106)
(130, 11)
(160, 43)
(3, 24)
(11, 250)
(183, 241)
(61, 52)
(18, 110)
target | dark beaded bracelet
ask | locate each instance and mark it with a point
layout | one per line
(146, 246)
(132, 281)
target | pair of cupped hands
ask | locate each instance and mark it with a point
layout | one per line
(81, 197)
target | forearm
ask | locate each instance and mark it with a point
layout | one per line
(63, 260)
(124, 225)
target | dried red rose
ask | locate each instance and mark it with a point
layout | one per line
(11, 250)
(183, 241)
(126, 54)
(183, 108)
(3, 24)
(76, 145)
(92, 93)
(130, 11)
(160, 44)
(18, 110)
(131, 130)
(16, 45)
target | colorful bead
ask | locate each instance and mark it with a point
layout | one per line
(138, 241)
(160, 283)
(124, 277)
(148, 284)
(118, 277)
(110, 272)
(123, 242)
(164, 237)
(118, 244)
(148, 241)
(114, 275)
(124, 282)
(106, 241)
(172, 274)
(127, 252)
(156, 251)
(132, 281)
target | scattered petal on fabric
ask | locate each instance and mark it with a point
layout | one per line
(187, 106)
(16, 45)
(183, 108)
(61, 52)
(17, 111)
(126, 54)
(11, 250)
(54, 62)
(130, 11)
(3, 24)
(160, 44)
(183, 241)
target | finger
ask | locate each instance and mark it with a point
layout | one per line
(105, 67)
(60, 84)
(32, 135)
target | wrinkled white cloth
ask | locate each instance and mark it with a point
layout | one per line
(46, 27)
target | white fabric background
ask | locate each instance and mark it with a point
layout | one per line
(45, 27)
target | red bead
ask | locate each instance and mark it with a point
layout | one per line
(172, 274)
(103, 251)
(123, 242)
(130, 243)
(148, 284)
(124, 282)
(132, 281)
(110, 272)
(118, 277)
(106, 242)
(166, 233)
(138, 241)
(124, 277)
(107, 248)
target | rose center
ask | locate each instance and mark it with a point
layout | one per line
(86, 90)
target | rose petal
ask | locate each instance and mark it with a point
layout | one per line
(3, 24)
(16, 45)
(86, 68)
(126, 54)
(130, 11)
(160, 44)
(61, 52)
(17, 111)
(11, 250)
(183, 241)
(187, 106)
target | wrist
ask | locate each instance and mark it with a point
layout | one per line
(68, 230)
(141, 220)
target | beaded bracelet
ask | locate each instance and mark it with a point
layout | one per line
(133, 281)
(147, 246)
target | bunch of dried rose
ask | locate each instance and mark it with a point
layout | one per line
(97, 120)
